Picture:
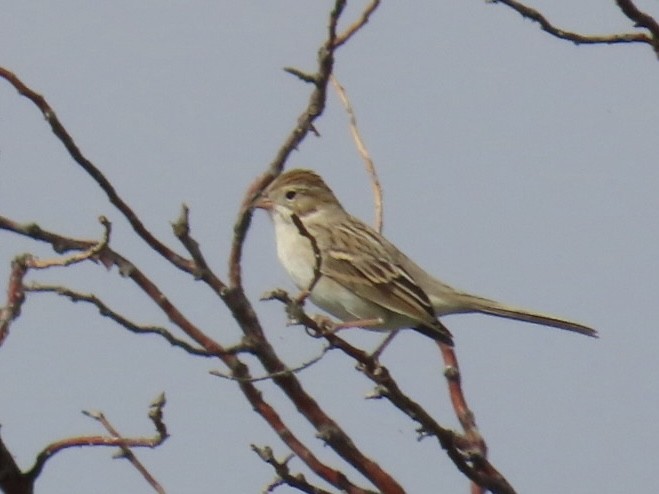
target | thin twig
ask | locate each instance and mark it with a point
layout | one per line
(294, 370)
(90, 253)
(318, 259)
(21, 264)
(460, 449)
(246, 318)
(236, 299)
(59, 243)
(284, 475)
(181, 229)
(106, 311)
(303, 126)
(65, 138)
(363, 152)
(155, 414)
(127, 452)
(127, 269)
(358, 24)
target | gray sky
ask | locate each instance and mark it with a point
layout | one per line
(514, 165)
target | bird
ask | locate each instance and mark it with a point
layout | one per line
(355, 274)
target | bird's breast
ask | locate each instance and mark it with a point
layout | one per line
(295, 252)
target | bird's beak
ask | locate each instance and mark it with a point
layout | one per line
(263, 202)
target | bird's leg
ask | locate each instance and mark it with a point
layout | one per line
(327, 324)
(302, 297)
(378, 351)
(359, 323)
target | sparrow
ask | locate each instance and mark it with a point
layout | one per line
(355, 274)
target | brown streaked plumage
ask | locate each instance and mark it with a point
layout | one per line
(363, 276)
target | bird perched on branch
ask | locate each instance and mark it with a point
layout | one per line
(358, 276)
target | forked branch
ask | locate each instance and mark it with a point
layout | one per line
(640, 19)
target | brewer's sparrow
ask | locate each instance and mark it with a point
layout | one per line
(359, 276)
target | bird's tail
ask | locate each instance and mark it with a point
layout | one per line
(493, 308)
(437, 332)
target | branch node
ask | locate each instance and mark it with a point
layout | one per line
(181, 226)
(452, 373)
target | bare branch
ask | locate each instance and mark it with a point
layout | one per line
(641, 19)
(12, 480)
(181, 228)
(334, 476)
(244, 314)
(304, 125)
(285, 476)
(476, 444)
(358, 24)
(106, 311)
(15, 296)
(303, 76)
(21, 264)
(460, 449)
(246, 317)
(91, 253)
(469, 458)
(576, 38)
(304, 294)
(127, 269)
(62, 134)
(462, 411)
(59, 243)
(294, 370)
(363, 152)
(155, 414)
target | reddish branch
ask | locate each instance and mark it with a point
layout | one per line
(235, 298)
(462, 411)
(292, 387)
(66, 139)
(285, 476)
(458, 447)
(156, 415)
(126, 268)
(476, 447)
(334, 476)
(21, 264)
(13, 481)
(467, 457)
(304, 125)
(242, 310)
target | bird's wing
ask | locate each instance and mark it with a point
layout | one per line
(356, 257)
(379, 281)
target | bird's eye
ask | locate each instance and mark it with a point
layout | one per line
(291, 194)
